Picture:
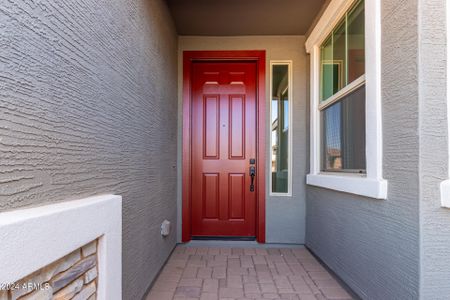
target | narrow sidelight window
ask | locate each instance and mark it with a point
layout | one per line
(281, 128)
(342, 95)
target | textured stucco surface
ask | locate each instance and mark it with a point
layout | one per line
(373, 245)
(285, 216)
(88, 99)
(434, 220)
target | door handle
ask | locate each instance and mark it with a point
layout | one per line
(252, 176)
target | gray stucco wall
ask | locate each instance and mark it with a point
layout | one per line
(88, 95)
(285, 216)
(374, 244)
(434, 220)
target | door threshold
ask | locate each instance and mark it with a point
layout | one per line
(236, 244)
(224, 238)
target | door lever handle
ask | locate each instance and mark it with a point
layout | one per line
(252, 176)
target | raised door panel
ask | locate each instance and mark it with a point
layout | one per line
(211, 196)
(237, 127)
(211, 135)
(236, 192)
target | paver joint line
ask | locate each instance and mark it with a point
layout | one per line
(209, 273)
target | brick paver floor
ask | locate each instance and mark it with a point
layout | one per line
(210, 273)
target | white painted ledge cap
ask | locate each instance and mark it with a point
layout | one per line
(445, 193)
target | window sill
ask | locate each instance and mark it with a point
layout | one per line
(351, 183)
(445, 193)
(280, 194)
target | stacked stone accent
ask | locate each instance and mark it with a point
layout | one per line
(73, 277)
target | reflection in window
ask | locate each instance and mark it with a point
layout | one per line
(343, 114)
(344, 134)
(355, 37)
(342, 54)
(280, 127)
(330, 71)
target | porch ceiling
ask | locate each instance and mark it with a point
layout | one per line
(244, 17)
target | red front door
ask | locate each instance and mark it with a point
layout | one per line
(223, 144)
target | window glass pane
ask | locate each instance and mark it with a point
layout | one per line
(280, 128)
(339, 57)
(342, 55)
(328, 70)
(285, 103)
(344, 134)
(356, 53)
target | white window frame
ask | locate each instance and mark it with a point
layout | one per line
(445, 185)
(290, 134)
(372, 183)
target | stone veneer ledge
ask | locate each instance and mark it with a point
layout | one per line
(71, 277)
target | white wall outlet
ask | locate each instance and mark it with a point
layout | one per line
(165, 228)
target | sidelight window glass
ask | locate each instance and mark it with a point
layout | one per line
(281, 129)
